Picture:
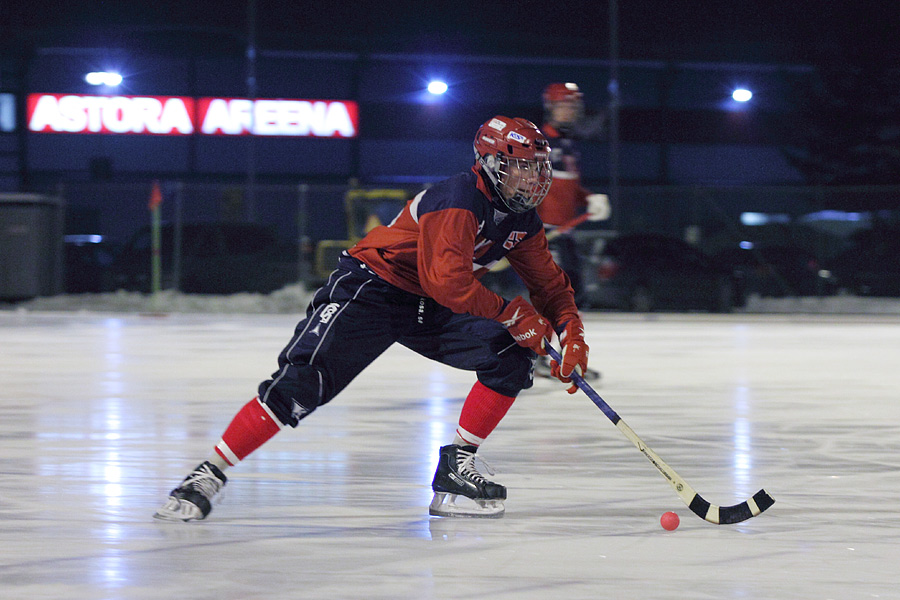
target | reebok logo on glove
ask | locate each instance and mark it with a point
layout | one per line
(525, 325)
(528, 334)
(512, 320)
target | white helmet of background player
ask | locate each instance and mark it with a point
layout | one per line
(515, 157)
(563, 105)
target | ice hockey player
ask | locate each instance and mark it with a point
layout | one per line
(416, 282)
(564, 124)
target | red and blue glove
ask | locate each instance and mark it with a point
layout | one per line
(525, 325)
(574, 354)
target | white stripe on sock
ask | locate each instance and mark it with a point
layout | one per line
(230, 456)
(469, 437)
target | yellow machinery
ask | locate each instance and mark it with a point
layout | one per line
(366, 210)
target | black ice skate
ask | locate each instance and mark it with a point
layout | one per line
(192, 500)
(456, 476)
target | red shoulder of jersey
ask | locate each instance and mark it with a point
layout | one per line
(448, 236)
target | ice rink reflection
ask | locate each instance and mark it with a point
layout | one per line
(101, 415)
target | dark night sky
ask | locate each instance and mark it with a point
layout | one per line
(721, 30)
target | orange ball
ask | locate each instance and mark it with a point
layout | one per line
(669, 521)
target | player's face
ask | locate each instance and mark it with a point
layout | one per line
(520, 179)
(526, 179)
(565, 112)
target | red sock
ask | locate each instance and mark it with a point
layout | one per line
(251, 427)
(481, 412)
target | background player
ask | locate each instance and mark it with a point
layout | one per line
(415, 282)
(564, 123)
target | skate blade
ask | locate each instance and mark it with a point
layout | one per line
(445, 505)
(592, 375)
(179, 510)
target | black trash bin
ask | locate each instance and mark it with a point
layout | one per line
(31, 246)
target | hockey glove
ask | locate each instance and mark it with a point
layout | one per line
(574, 354)
(525, 325)
(598, 207)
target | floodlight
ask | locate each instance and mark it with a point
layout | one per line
(742, 95)
(106, 78)
(437, 87)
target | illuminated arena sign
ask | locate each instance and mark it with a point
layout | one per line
(61, 113)
(178, 115)
(303, 118)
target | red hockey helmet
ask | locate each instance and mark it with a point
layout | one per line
(559, 92)
(515, 156)
(563, 104)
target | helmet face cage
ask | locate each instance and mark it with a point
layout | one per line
(523, 183)
(515, 156)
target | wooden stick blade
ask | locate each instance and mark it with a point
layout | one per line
(728, 515)
(720, 515)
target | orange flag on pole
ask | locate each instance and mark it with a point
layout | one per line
(155, 196)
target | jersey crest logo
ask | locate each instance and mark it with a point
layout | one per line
(514, 238)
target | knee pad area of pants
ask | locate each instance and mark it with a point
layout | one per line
(294, 394)
(513, 372)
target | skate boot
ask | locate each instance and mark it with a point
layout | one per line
(192, 500)
(456, 476)
(592, 375)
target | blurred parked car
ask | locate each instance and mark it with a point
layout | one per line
(871, 267)
(647, 272)
(88, 259)
(216, 258)
(779, 271)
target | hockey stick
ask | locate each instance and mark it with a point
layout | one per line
(710, 512)
(568, 226)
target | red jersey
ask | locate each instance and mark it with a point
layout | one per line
(566, 198)
(450, 235)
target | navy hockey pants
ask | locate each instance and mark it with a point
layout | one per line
(356, 316)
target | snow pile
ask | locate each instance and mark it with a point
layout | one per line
(293, 299)
(827, 305)
(290, 300)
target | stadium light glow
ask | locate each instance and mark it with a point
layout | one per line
(742, 95)
(106, 78)
(437, 87)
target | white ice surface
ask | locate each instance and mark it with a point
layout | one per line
(102, 413)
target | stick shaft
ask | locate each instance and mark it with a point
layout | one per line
(703, 509)
(568, 226)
